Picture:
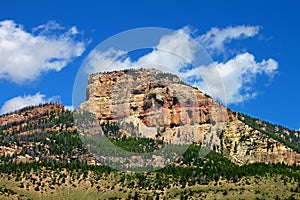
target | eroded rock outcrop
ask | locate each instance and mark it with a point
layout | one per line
(157, 104)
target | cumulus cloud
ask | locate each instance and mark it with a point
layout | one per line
(24, 56)
(215, 39)
(230, 81)
(19, 102)
(237, 75)
(173, 51)
(98, 61)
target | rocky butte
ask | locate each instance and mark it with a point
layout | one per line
(153, 104)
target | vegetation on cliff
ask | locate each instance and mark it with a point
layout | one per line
(61, 163)
(290, 138)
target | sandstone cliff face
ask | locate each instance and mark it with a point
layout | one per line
(242, 144)
(149, 103)
(143, 93)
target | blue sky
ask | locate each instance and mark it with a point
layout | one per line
(69, 30)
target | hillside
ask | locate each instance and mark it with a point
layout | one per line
(43, 155)
(44, 132)
(152, 104)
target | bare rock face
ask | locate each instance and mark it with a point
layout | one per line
(150, 95)
(242, 144)
(155, 103)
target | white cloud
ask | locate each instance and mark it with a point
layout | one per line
(230, 81)
(216, 38)
(237, 75)
(24, 56)
(70, 108)
(172, 52)
(74, 31)
(19, 102)
(106, 61)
